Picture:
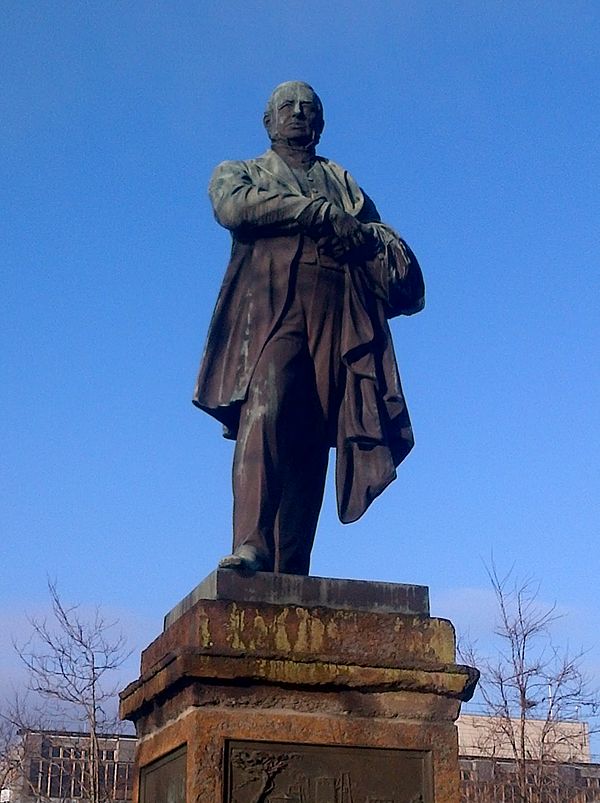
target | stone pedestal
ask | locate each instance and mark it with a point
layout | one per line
(277, 688)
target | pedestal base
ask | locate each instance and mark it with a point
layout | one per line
(247, 701)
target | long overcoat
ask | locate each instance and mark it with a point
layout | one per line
(261, 202)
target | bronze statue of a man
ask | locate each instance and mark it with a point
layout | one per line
(299, 356)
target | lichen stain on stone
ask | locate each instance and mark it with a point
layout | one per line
(332, 630)
(316, 633)
(282, 641)
(290, 672)
(321, 672)
(260, 631)
(204, 629)
(403, 622)
(431, 638)
(441, 640)
(310, 632)
(235, 628)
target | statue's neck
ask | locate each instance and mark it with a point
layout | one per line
(295, 156)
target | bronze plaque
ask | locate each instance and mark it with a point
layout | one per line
(267, 772)
(164, 780)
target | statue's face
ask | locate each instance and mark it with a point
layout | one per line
(295, 114)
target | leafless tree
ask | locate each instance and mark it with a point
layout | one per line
(534, 694)
(70, 661)
(10, 760)
(18, 720)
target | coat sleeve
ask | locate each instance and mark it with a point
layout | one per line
(252, 205)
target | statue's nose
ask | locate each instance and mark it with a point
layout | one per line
(298, 109)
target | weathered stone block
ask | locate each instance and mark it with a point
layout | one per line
(308, 592)
(253, 687)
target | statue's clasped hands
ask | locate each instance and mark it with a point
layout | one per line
(349, 237)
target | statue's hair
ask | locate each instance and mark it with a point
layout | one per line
(270, 109)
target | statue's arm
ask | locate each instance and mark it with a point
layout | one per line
(244, 203)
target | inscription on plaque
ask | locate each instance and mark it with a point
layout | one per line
(164, 780)
(267, 772)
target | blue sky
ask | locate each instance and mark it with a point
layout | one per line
(473, 125)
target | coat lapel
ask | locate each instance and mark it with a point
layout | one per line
(342, 189)
(271, 163)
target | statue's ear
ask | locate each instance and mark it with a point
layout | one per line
(267, 122)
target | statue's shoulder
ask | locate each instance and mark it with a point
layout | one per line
(334, 167)
(329, 164)
(239, 166)
(232, 166)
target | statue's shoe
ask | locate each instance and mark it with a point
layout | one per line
(245, 558)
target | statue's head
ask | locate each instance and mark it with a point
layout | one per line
(294, 114)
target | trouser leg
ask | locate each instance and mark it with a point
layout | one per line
(303, 484)
(266, 443)
(320, 294)
(285, 429)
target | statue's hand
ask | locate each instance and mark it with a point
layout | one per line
(351, 238)
(346, 228)
(334, 247)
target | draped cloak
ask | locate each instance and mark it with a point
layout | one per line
(261, 203)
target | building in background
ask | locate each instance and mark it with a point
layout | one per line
(55, 766)
(52, 766)
(562, 741)
(558, 766)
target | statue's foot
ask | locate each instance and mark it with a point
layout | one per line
(245, 558)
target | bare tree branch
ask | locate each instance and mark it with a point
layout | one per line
(69, 660)
(533, 692)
